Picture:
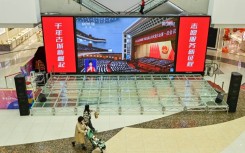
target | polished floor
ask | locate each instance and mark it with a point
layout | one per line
(177, 133)
(54, 133)
(208, 139)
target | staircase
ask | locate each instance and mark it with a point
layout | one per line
(96, 7)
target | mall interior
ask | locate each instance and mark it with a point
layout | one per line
(158, 76)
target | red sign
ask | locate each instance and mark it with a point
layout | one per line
(59, 44)
(155, 36)
(192, 44)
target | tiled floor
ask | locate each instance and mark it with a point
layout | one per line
(18, 130)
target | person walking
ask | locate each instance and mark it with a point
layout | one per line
(80, 132)
(63, 93)
(87, 117)
(142, 6)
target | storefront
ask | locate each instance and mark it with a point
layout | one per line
(10, 38)
(233, 41)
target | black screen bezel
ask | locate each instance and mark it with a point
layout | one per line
(136, 16)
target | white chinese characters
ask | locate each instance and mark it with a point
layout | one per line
(168, 23)
(162, 34)
(59, 45)
(192, 44)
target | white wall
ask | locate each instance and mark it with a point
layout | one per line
(68, 7)
(19, 11)
(193, 6)
(227, 11)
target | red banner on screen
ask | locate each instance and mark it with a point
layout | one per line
(192, 44)
(59, 44)
(156, 36)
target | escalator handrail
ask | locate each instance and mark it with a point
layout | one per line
(95, 3)
(103, 6)
(78, 1)
(147, 3)
(137, 6)
(156, 5)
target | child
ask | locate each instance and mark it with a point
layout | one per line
(98, 145)
(87, 118)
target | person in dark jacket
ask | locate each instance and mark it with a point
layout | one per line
(142, 6)
(87, 118)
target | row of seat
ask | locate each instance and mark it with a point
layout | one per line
(115, 66)
(153, 61)
(102, 65)
(121, 66)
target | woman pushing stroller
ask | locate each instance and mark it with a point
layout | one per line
(81, 131)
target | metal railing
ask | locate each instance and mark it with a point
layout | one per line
(96, 7)
(210, 68)
(149, 5)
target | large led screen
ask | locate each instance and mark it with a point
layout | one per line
(126, 44)
(59, 44)
(192, 44)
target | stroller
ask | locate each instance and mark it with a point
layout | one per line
(96, 143)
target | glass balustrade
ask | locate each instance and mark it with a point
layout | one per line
(127, 94)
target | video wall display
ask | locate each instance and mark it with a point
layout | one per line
(126, 44)
(93, 45)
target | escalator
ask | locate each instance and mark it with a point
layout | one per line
(96, 7)
(155, 7)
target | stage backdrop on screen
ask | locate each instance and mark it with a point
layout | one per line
(127, 44)
(59, 44)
